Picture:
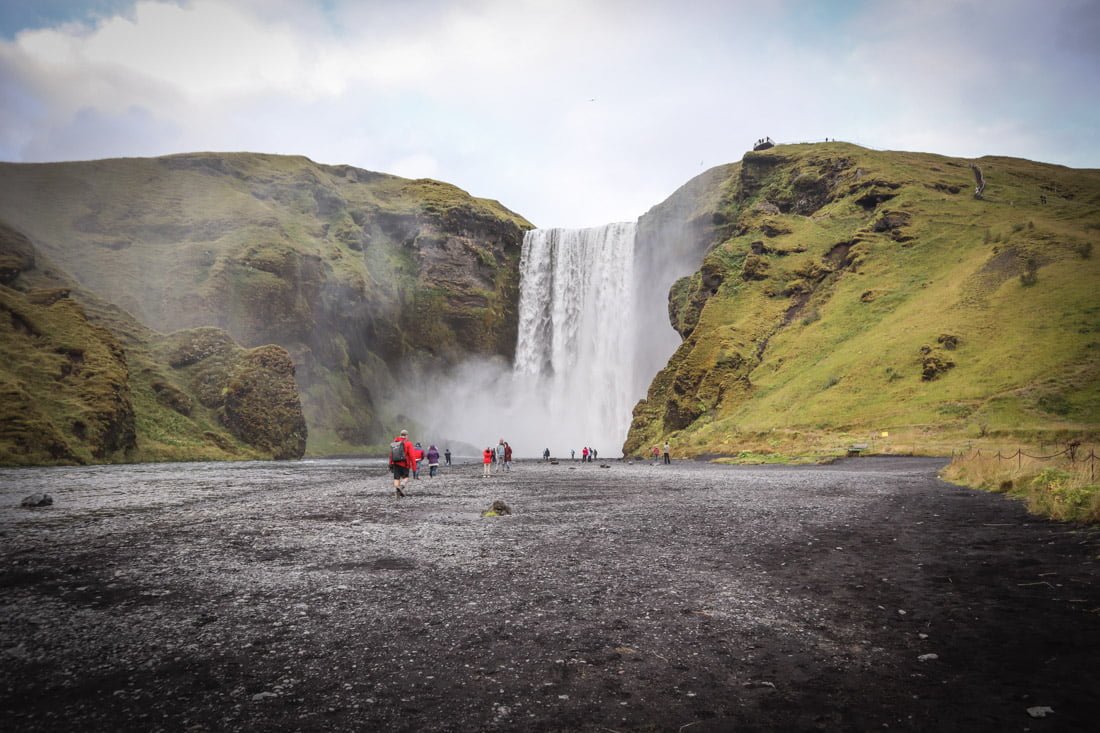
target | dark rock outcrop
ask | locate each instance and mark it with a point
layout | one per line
(36, 500)
(262, 406)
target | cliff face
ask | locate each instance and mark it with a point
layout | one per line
(850, 293)
(356, 274)
(83, 382)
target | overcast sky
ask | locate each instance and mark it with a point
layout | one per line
(570, 113)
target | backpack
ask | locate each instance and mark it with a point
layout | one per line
(397, 451)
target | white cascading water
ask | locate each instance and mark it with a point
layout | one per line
(593, 330)
(578, 334)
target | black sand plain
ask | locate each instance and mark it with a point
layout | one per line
(864, 595)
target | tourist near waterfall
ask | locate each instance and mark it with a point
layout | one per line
(486, 461)
(433, 461)
(401, 456)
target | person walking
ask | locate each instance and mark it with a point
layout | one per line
(401, 454)
(546, 455)
(418, 456)
(507, 456)
(486, 461)
(447, 456)
(572, 454)
(656, 453)
(433, 461)
(668, 459)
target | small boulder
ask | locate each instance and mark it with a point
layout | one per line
(36, 500)
(497, 509)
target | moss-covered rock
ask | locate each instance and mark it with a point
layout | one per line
(261, 403)
(352, 272)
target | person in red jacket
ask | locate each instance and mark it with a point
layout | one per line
(401, 458)
(486, 461)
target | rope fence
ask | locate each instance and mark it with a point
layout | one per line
(1072, 451)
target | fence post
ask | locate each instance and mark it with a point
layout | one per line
(1019, 458)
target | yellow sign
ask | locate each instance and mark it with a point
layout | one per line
(885, 434)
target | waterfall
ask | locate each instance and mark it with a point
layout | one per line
(593, 330)
(578, 335)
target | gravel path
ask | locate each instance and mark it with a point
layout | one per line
(866, 595)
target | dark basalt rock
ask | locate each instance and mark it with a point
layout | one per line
(36, 500)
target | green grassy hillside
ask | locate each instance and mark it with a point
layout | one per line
(83, 382)
(355, 273)
(852, 293)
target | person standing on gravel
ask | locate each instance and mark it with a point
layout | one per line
(500, 456)
(668, 458)
(447, 456)
(486, 461)
(401, 457)
(507, 456)
(433, 461)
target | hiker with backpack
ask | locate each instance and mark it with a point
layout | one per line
(401, 458)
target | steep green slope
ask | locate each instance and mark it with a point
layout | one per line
(357, 274)
(854, 292)
(83, 382)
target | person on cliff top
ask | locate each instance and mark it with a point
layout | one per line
(401, 456)
(486, 461)
(507, 456)
(433, 461)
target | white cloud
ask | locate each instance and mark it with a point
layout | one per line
(494, 95)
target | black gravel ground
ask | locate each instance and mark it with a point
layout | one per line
(866, 595)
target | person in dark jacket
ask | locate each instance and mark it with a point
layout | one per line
(433, 461)
(447, 456)
(399, 466)
(418, 456)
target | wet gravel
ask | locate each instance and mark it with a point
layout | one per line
(866, 595)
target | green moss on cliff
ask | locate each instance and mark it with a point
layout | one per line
(849, 276)
(345, 268)
(83, 382)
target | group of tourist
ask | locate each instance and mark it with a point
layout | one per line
(406, 457)
(501, 457)
(656, 452)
